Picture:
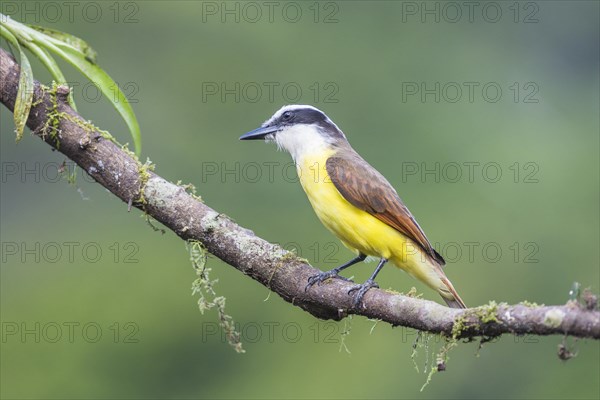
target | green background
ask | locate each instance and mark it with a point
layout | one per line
(169, 53)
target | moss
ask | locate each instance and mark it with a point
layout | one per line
(434, 361)
(487, 313)
(88, 127)
(530, 304)
(40, 99)
(291, 255)
(421, 341)
(191, 190)
(392, 291)
(144, 171)
(441, 360)
(52, 125)
(144, 174)
(460, 325)
(149, 221)
(125, 148)
(375, 322)
(203, 286)
(414, 293)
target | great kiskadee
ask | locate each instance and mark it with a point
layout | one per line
(354, 201)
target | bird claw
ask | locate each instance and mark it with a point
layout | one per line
(361, 291)
(322, 277)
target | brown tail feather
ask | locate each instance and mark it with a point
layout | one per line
(450, 295)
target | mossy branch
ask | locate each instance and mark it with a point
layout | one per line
(281, 271)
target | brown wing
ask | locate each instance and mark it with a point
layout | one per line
(365, 188)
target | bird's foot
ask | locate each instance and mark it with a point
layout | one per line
(361, 290)
(322, 277)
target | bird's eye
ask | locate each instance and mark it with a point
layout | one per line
(287, 115)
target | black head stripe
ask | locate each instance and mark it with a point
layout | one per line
(311, 116)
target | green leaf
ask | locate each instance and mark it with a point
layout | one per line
(107, 86)
(79, 54)
(25, 91)
(51, 65)
(79, 44)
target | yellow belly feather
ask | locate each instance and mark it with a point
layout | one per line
(357, 229)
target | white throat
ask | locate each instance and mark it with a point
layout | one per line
(301, 141)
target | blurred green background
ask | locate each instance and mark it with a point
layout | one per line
(136, 331)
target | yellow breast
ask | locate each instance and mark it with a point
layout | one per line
(357, 229)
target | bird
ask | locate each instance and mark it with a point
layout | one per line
(354, 201)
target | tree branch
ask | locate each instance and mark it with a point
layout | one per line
(57, 124)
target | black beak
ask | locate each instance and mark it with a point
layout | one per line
(259, 133)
